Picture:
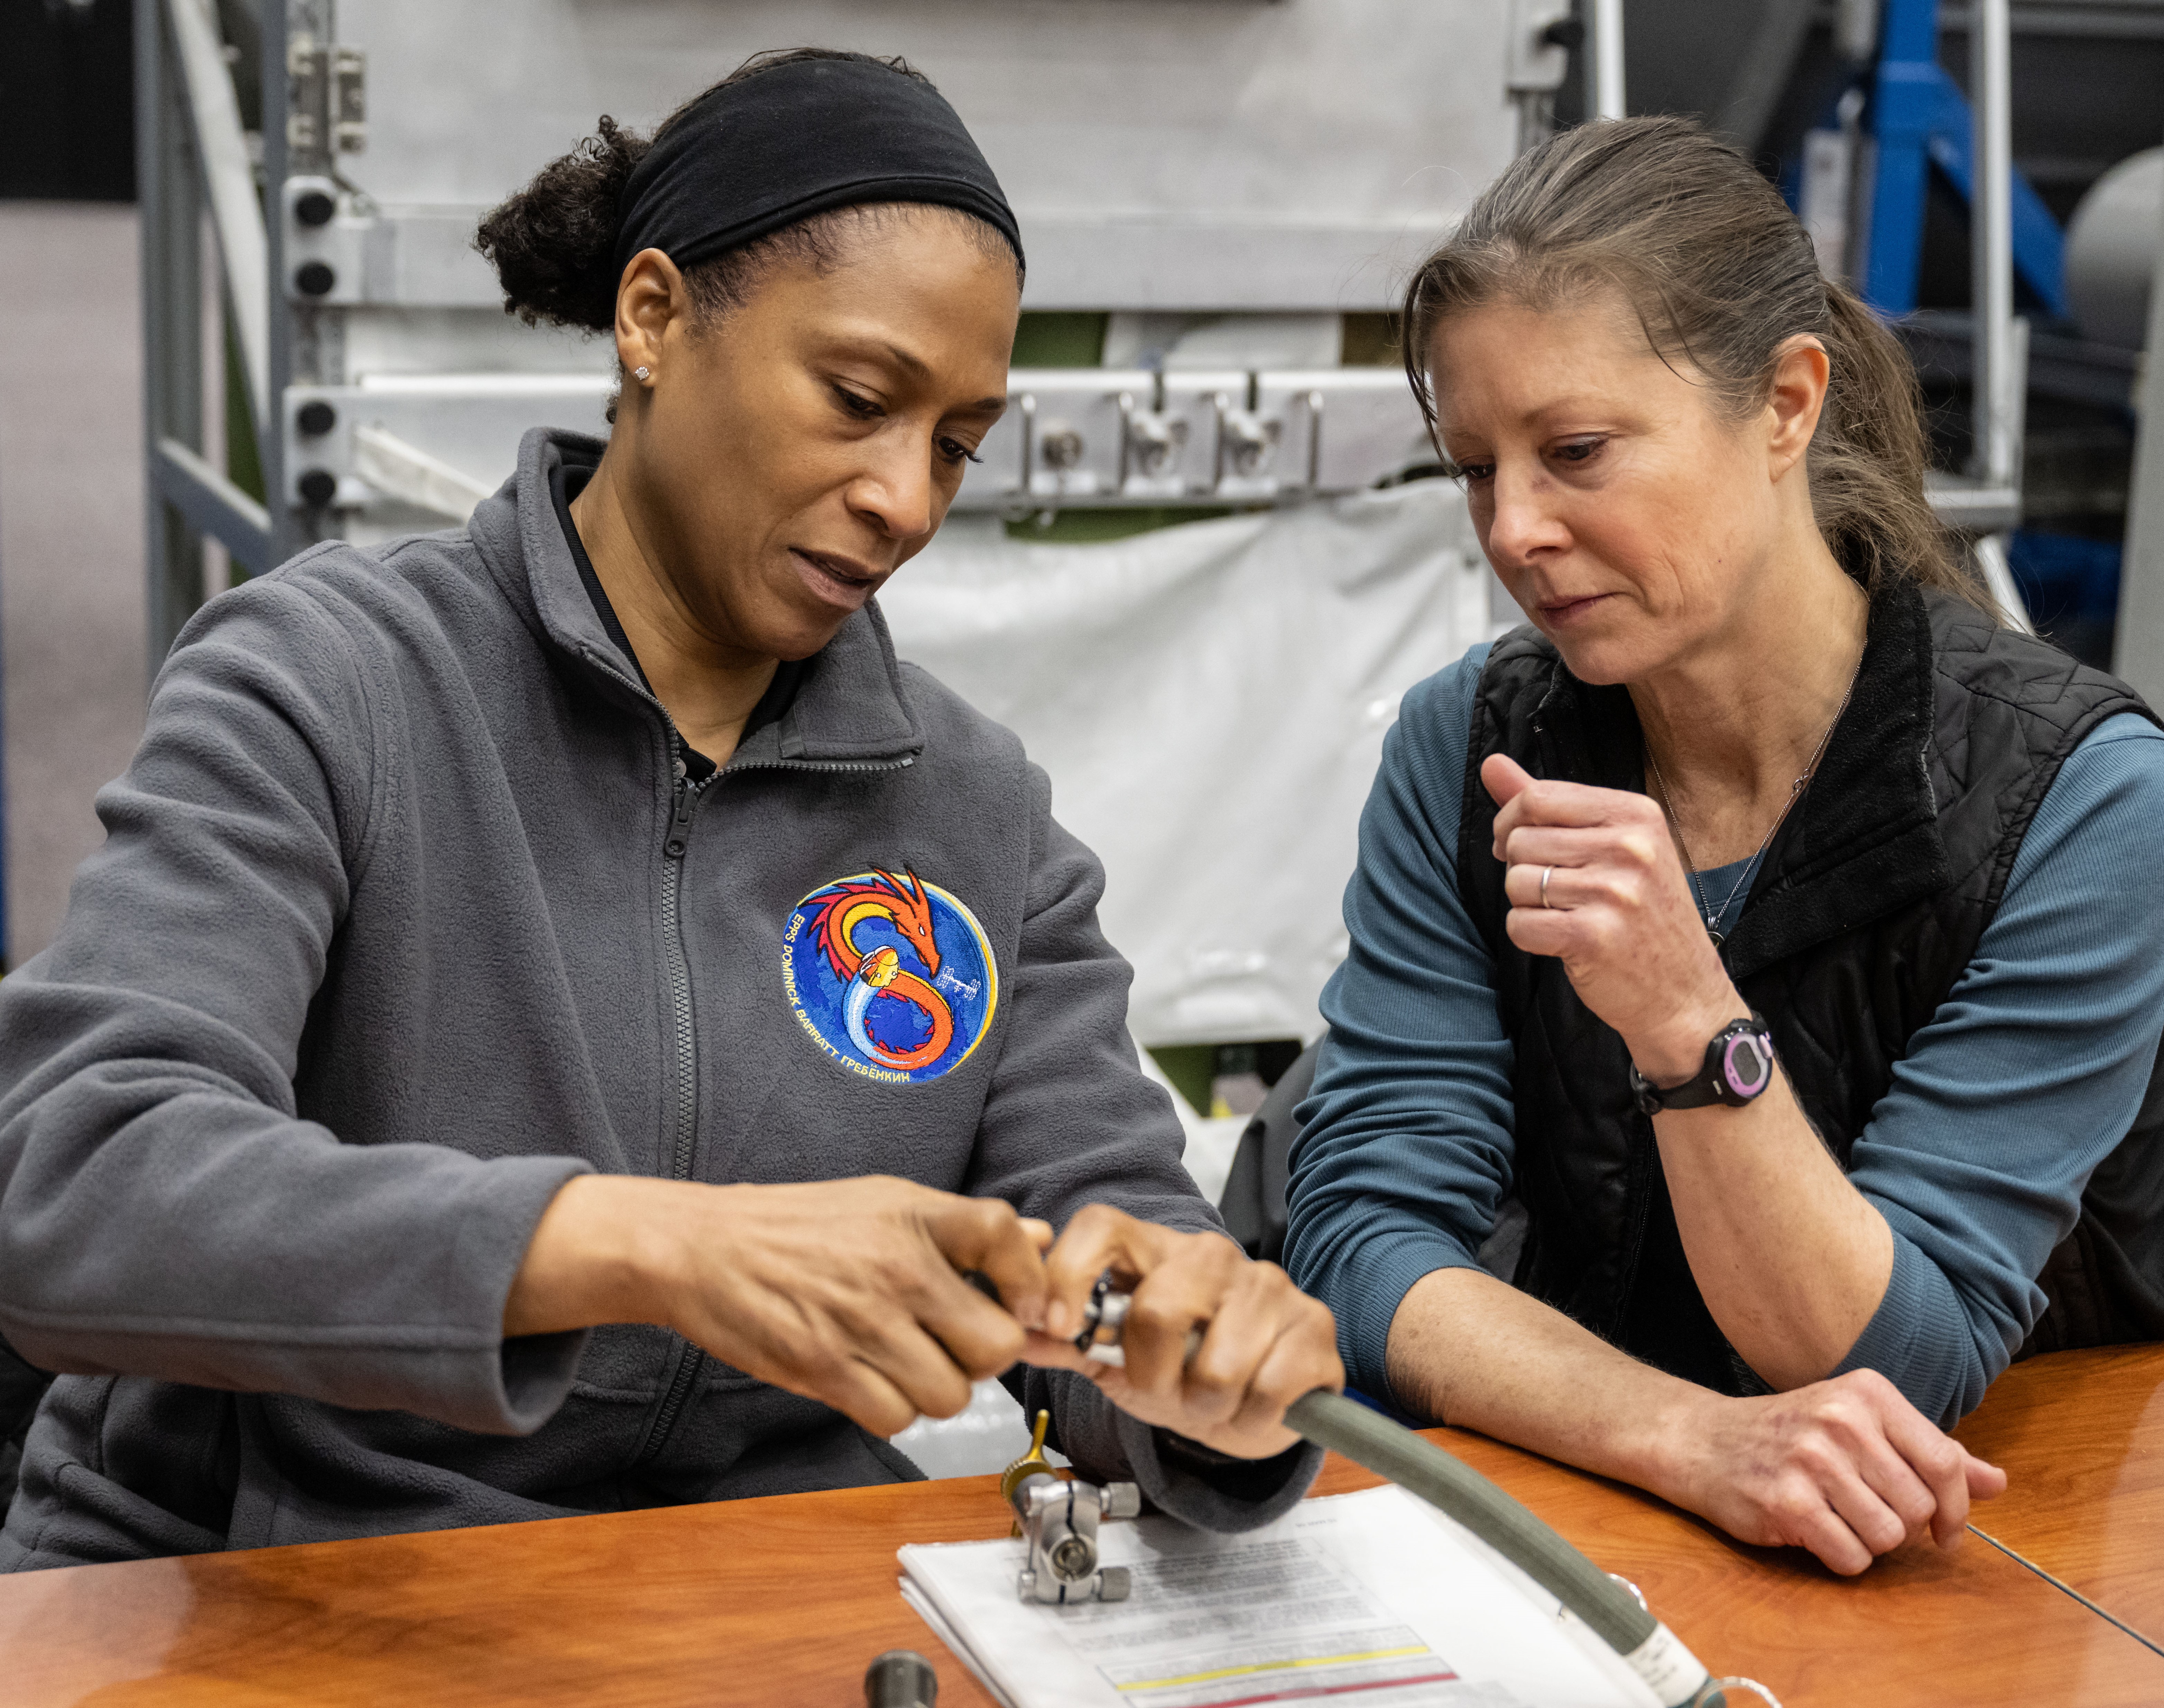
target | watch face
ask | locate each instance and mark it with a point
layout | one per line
(1746, 1065)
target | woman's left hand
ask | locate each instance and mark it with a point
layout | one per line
(1264, 1343)
(1618, 912)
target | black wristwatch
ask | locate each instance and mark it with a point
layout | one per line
(1739, 1065)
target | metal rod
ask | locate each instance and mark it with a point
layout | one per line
(1604, 59)
(1991, 242)
(1368, 1438)
(1995, 405)
(287, 535)
(2138, 654)
(212, 504)
(170, 217)
(1998, 576)
(229, 179)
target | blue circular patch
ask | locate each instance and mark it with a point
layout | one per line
(893, 977)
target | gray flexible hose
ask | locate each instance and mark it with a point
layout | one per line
(1605, 1605)
(1391, 1450)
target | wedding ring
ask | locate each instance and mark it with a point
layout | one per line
(1547, 872)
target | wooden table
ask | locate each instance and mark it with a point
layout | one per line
(785, 1600)
(2080, 1435)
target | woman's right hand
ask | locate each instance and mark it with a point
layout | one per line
(1846, 1468)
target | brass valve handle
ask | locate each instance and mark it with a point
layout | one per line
(1033, 1463)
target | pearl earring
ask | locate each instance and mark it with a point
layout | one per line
(643, 373)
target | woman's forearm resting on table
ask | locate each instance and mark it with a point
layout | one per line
(1471, 1351)
(1846, 1468)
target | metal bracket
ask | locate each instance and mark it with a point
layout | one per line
(1539, 57)
(1060, 1522)
(1153, 440)
(328, 114)
(439, 443)
(326, 243)
(1247, 445)
(1108, 438)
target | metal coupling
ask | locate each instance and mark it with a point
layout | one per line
(1059, 1521)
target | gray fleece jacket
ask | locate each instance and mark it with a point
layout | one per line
(404, 916)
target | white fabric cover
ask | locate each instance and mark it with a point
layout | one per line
(1210, 701)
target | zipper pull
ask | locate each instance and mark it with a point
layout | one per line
(680, 810)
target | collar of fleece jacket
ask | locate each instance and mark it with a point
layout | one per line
(848, 707)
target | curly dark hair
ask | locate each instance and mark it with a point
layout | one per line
(553, 243)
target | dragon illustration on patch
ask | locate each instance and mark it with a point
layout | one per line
(892, 977)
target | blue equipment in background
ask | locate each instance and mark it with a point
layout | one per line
(1919, 119)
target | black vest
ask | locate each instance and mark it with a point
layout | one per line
(1867, 906)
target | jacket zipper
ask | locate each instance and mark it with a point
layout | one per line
(899, 765)
(689, 1359)
(679, 972)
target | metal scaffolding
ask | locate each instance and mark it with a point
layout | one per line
(384, 391)
(357, 433)
(193, 156)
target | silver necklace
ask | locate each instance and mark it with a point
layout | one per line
(1715, 915)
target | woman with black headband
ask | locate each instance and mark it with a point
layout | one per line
(560, 1008)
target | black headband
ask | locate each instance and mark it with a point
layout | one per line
(800, 139)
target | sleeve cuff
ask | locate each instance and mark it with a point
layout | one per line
(1371, 1286)
(1235, 1495)
(514, 1385)
(1105, 1445)
(538, 1370)
(1919, 1339)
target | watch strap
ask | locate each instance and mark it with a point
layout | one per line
(1738, 1065)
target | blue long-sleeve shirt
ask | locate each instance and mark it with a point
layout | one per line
(2026, 1079)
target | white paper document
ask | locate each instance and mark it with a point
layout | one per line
(1367, 1601)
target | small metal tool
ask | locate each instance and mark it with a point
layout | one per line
(1104, 1321)
(1059, 1518)
(1105, 1324)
